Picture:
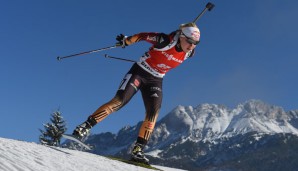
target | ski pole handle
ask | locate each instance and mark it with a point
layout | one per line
(208, 7)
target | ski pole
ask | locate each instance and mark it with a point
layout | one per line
(123, 59)
(87, 52)
(208, 7)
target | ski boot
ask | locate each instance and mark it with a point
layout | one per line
(82, 131)
(137, 154)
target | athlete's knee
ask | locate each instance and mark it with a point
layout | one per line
(103, 111)
(114, 104)
(152, 115)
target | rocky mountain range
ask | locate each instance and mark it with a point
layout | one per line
(253, 136)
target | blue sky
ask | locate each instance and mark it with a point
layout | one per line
(248, 50)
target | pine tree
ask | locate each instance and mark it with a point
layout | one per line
(53, 131)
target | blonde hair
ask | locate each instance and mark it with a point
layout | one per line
(188, 25)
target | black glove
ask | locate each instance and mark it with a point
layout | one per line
(121, 40)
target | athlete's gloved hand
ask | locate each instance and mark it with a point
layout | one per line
(121, 40)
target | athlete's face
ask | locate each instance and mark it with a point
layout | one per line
(186, 45)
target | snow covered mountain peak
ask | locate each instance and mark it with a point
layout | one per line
(261, 109)
(212, 121)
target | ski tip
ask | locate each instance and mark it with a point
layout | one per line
(59, 58)
(75, 139)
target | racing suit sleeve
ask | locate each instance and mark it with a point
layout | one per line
(159, 40)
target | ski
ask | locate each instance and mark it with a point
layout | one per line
(140, 164)
(73, 138)
(134, 160)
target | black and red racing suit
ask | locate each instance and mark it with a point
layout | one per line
(146, 76)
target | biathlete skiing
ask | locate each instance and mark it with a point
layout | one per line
(167, 52)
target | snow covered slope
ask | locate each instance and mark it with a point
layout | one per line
(24, 156)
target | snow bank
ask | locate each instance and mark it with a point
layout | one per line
(25, 156)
